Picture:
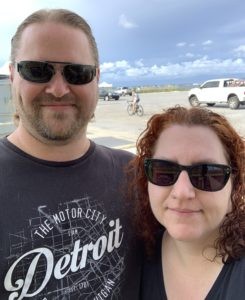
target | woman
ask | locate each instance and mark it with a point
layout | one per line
(190, 211)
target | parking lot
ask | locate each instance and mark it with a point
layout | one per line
(113, 127)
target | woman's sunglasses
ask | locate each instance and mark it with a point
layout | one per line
(43, 71)
(205, 177)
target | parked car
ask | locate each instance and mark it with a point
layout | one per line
(107, 95)
(225, 90)
(123, 91)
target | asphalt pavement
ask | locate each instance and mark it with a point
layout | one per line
(113, 127)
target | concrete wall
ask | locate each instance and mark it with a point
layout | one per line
(6, 108)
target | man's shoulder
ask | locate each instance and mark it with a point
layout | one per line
(4, 147)
(117, 153)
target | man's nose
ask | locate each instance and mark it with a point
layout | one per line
(58, 86)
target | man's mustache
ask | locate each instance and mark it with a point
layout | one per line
(50, 99)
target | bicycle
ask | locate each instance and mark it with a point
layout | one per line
(138, 109)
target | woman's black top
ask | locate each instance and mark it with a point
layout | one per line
(229, 285)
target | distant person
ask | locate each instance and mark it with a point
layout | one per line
(64, 221)
(191, 211)
(135, 100)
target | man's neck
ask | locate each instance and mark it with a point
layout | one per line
(52, 151)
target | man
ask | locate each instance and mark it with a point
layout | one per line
(64, 231)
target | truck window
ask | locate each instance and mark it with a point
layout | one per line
(211, 84)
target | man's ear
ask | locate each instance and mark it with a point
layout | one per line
(11, 72)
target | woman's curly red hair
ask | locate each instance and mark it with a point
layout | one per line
(231, 241)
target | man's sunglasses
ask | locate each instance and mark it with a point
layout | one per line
(43, 71)
(205, 177)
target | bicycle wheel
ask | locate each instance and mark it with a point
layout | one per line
(130, 109)
(140, 110)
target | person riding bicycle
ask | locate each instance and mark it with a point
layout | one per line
(135, 101)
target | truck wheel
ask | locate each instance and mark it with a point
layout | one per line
(210, 104)
(194, 101)
(233, 102)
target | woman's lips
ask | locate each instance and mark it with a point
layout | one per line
(184, 210)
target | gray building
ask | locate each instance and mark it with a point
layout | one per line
(6, 106)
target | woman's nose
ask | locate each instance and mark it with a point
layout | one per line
(183, 187)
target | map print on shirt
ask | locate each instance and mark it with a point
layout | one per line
(73, 251)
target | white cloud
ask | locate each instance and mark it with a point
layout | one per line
(159, 70)
(4, 69)
(105, 84)
(125, 23)
(13, 11)
(201, 66)
(136, 72)
(139, 63)
(181, 44)
(184, 44)
(240, 51)
(112, 66)
(207, 43)
(188, 54)
(107, 66)
(122, 64)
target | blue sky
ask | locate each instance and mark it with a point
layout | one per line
(151, 42)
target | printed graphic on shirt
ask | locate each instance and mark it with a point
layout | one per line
(71, 253)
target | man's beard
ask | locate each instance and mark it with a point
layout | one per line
(53, 126)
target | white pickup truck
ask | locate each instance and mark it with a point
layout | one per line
(123, 91)
(226, 90)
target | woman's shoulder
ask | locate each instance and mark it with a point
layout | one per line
(232, 285)
(237, 265)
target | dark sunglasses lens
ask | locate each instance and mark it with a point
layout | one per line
(79, 74)
(210, 178)
(35, 71)
(162, 173)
